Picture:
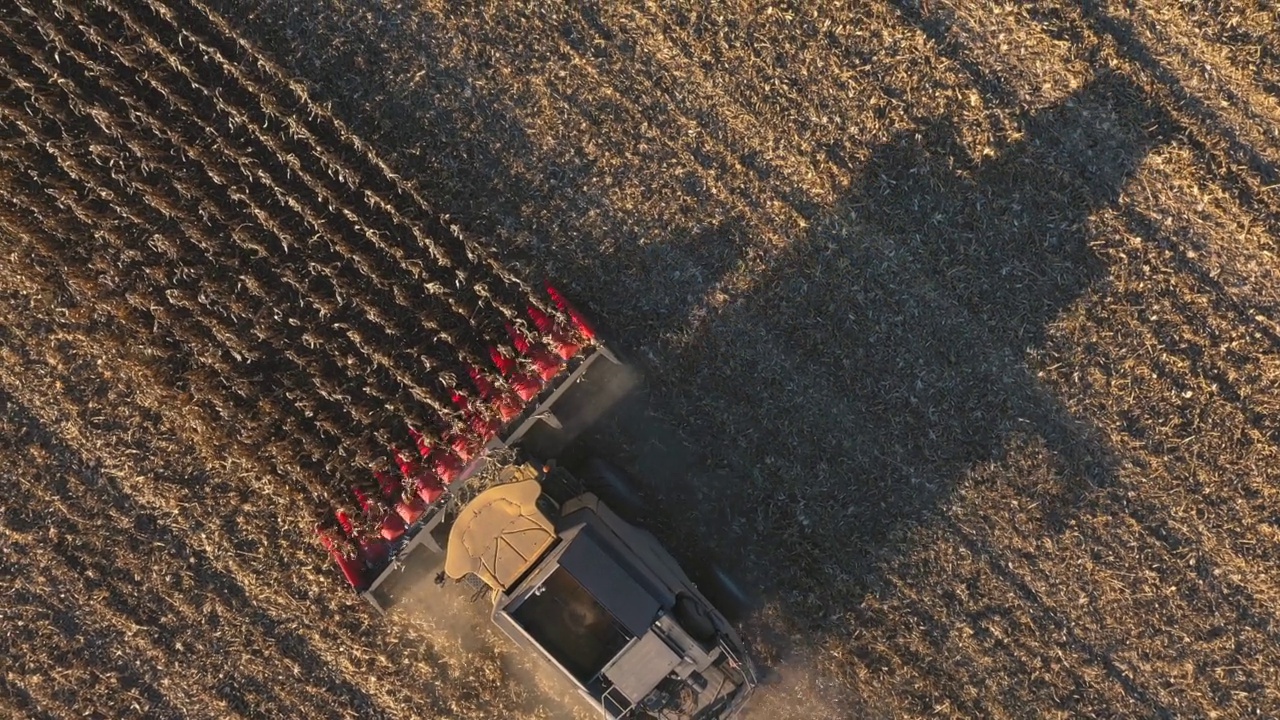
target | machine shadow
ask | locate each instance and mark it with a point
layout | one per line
(892, 343)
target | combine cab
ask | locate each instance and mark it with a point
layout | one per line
(600, 600)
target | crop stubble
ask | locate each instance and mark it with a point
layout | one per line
(1002, 280)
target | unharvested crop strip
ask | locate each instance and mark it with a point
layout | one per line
(144, 309)
(255, 92)
(342, 137)
(257, 176)
(152, 315)
(467, 353)
(324, 417)
(419, 393)
(68, 199)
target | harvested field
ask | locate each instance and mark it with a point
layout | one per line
(961, 323)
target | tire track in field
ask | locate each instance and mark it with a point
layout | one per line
(22, 702)
(709, 153)
(1196, 566)
(1180, 557)
(1198, 66)
(1186, 526)
(1016, 636)
(1177, 255)
(1254, 31)
(1205, 320)
(805, 115)
(1160, 436)
(737, 124)
(1191, 118)
(722, 157)
(145, 618)
(923, 652)
(1238, 169)
(137, 622)
(1045, 615)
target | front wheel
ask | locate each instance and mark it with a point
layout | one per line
(693, 617)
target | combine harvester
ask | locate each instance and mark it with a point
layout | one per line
(599, 599)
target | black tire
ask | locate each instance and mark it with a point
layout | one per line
(692, 616)
(768, 676)
(615, 487)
